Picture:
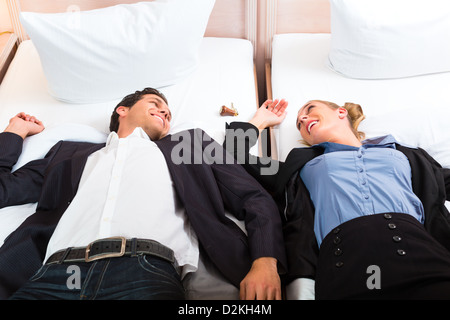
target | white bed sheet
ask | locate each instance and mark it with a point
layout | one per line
(225, 75)
(415, 110)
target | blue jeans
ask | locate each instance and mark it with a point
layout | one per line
(143, 277)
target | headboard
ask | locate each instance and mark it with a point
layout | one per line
(292, 16)
(229, 18)
(295, 16)
(309, 16)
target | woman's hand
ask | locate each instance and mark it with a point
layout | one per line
(271, 113)
(24, 125)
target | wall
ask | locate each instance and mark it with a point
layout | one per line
(5, 21)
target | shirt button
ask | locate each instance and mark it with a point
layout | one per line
(397, 238)
(401, 252)
(366, 197)
(337, 240)
(339, 264)
(387, 216)
(338, 252)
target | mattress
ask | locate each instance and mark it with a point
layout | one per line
(415, 110)
(225, 76)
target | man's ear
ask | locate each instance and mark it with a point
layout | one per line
(122, 111)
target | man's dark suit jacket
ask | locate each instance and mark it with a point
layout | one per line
(430, 182)
(206, 190)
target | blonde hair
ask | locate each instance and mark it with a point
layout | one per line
(355, 115)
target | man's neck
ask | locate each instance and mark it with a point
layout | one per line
(124, 132)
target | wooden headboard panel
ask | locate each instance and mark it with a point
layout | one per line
(302, 16)
(295, 16)
(229, 18)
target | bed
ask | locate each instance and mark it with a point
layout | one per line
(224, 76)
(414, 107)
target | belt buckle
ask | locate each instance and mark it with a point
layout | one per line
(106, 255)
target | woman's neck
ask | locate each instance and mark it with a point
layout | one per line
(346, 138)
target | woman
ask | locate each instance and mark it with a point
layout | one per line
(375, 208)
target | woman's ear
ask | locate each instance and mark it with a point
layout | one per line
(342, 113)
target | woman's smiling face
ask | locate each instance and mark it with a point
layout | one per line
(317, 122)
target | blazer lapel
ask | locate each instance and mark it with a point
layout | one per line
(79, 161)
(295, 160)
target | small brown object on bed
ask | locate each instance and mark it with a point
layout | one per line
(225, 111)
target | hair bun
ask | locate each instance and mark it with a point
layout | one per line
(356, 115)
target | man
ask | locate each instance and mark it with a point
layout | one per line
(128, 218)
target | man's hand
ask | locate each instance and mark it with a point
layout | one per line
(262, 282)
(24, 125)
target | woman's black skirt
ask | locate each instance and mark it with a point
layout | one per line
(382, 256)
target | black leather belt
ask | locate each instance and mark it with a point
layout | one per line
(112, 247)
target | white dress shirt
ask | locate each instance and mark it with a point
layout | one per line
(126, 190)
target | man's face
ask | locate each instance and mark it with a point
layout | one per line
(150, 113)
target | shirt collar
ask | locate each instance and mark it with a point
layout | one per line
(138, 132)
(382, 141)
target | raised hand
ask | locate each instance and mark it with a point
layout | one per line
(24, 125)
(271, 113)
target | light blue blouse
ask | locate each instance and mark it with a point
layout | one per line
(348, 182)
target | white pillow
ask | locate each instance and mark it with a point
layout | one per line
(104, 54)
(37, 146)
(382, 39)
